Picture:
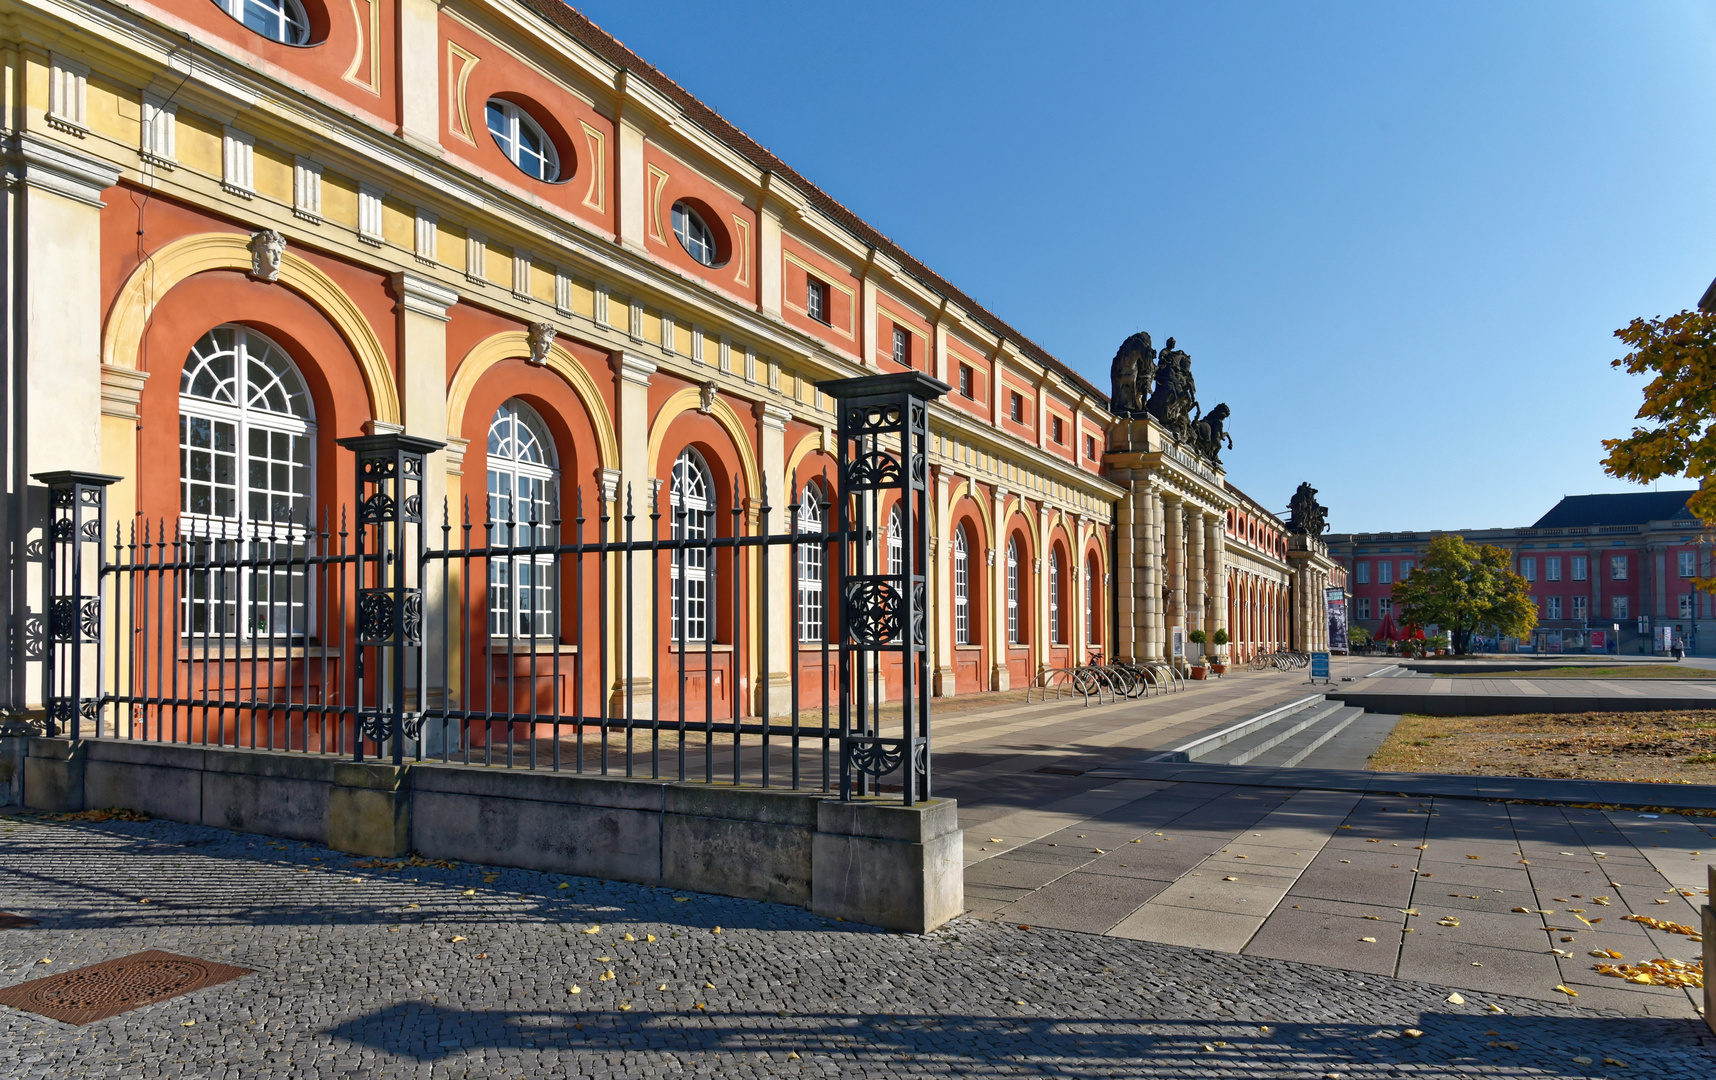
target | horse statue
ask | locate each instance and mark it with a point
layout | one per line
(1176, 393)
(1308, 516)
(1209, 432)
(1131, 372)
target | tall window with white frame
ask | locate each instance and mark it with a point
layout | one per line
(815, 299)
(896, 543)
(521, 487)
(692, 511)
(246, 458)
(1092, 578)
(1054, 596)
(811, 619)
(902, 346)
(961, 587)
(1013, 590)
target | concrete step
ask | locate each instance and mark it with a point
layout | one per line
(1269, 736)
(1204, 745)
(1292, 751)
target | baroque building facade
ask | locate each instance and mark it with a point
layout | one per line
(239, 231)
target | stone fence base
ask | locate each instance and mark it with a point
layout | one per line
(869, 860)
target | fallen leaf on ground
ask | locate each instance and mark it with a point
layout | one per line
(1569, 991)
(1456, 999)
(1369, 939)
(1413, 1033)
(1617, 1062)
(563, 885)
(594, 930)
(1659, 972)
(470, 892)
(1230, 878)
(574, 989)
(663, 986)
(996, 840)
(1449, 921)
(188, 1023)
(458, 937)
(1663, 924)
(1581, 1059)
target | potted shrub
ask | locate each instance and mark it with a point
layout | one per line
(1199, 638)
(1219, 639)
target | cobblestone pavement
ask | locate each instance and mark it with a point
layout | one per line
(363, 970)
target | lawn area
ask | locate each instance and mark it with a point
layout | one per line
(1652, 747)
(1576, 671)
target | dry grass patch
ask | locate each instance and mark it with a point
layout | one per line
(1650, 747)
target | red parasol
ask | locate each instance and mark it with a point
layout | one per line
(1387, 631)
(1412, 633)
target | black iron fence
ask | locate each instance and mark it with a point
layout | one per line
(637, 639)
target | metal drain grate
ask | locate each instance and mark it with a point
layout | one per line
(101, 990)
(9, 921)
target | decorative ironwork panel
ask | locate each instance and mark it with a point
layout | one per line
(377, 508)
(75, 619)
(864, 420)
(375, 617)
(875, 469)
(874, 609)
(411, 621)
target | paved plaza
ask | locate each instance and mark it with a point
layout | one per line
(466, 972)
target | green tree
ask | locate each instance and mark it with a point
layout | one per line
(1463, 587)
(1678, 438)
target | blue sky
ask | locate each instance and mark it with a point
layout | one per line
(1395, 238)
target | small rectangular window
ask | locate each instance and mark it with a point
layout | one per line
(1580, 568)
(1384, 571)
(1581, 607)
(815, 299)
(1617, 568)
(1688, 564)
(1384, 606)
(1552, 607)
(1552, 568)
(1090, 447)
(1405, 568)
(902, 346)
(1688, 606)
(1363, 569)
(1016, 408)
(965, 381)
(1055, 430)
(1363, 608)
(1617, 607)
(1528, 569)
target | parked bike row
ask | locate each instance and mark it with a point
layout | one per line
(1106, 682)
(1281, 661)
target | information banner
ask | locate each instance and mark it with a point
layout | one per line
(1335, 600)
(1320, 666)
(1599, 641)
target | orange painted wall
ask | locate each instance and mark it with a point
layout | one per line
(668, 180)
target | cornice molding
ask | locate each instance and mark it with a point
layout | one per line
(32, 161)
(423, 296)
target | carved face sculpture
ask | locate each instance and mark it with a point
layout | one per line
(267, 249)
(541, 342)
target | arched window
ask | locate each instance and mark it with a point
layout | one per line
(961, 588)
(1054, 596)
(522, 512)
(278, 20)
(896, 543)
(695, 235)
(692, 508)
(810, 599)
(1012, 590)
(246, 455)
(523, 141)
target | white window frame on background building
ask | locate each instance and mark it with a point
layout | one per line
(695, 235)
(896, 542)
(245, 413)
(1581, 607)
(1363, 608)
(1617, 568)
(522, 478)
(523, 140)
(812, 622)
(1688, 564)
(1384, 606)
(1054, 596)
(692, 510)
(1552, 568)
(1581, 568)
(1361, 573)
(816, 299)
(1013, 591)
(1618, 607)
(1689, 605)
(961, 587)
(1528, 568)
(902, 346)
(1384, 571)
(1405, 568)
(284, 21)
(1552, 607)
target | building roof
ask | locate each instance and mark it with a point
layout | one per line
(605, 45)
(1626, 508)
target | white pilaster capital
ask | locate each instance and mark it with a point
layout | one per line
(454, 454)
(122, 390)
(38, 163)
(423, 296)
(610, 481)
(773, 417)
(633, 368)
(1001, 494)
(382, 427)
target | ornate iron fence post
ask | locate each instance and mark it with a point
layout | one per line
(391, 667)
(71, 599)
(884, 451)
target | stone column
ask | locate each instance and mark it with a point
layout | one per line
(774, 696)
(999, 645)
(1128, 569)
(634, 374)
(1155, 577)
(941, 558)
(1216, 567)
(53, 415)
(422, 309)
(1040, 593)
(1195, 570)
(1174, 567)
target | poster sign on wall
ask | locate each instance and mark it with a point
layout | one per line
(1599, 641)
(1335, 600)
(1177, 635)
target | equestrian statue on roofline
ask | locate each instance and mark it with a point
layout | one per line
(1172, 400)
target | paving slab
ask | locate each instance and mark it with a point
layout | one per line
(1323, 938)
(1199, 929)
(1088, 902)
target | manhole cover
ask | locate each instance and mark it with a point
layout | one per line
(9, 921)
(94, 993)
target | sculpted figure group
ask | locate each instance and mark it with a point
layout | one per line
(1308, 516)
(1138, 369)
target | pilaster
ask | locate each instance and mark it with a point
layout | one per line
(1174, 567)
(999, 647)
(774, 694)
(633, 374)
(941, 557)
(420, 61)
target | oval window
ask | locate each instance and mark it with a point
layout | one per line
(523, 141)
(284, 21)
(695, 235)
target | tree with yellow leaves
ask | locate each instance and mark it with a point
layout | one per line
(1679, 352)
(1463, 588)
